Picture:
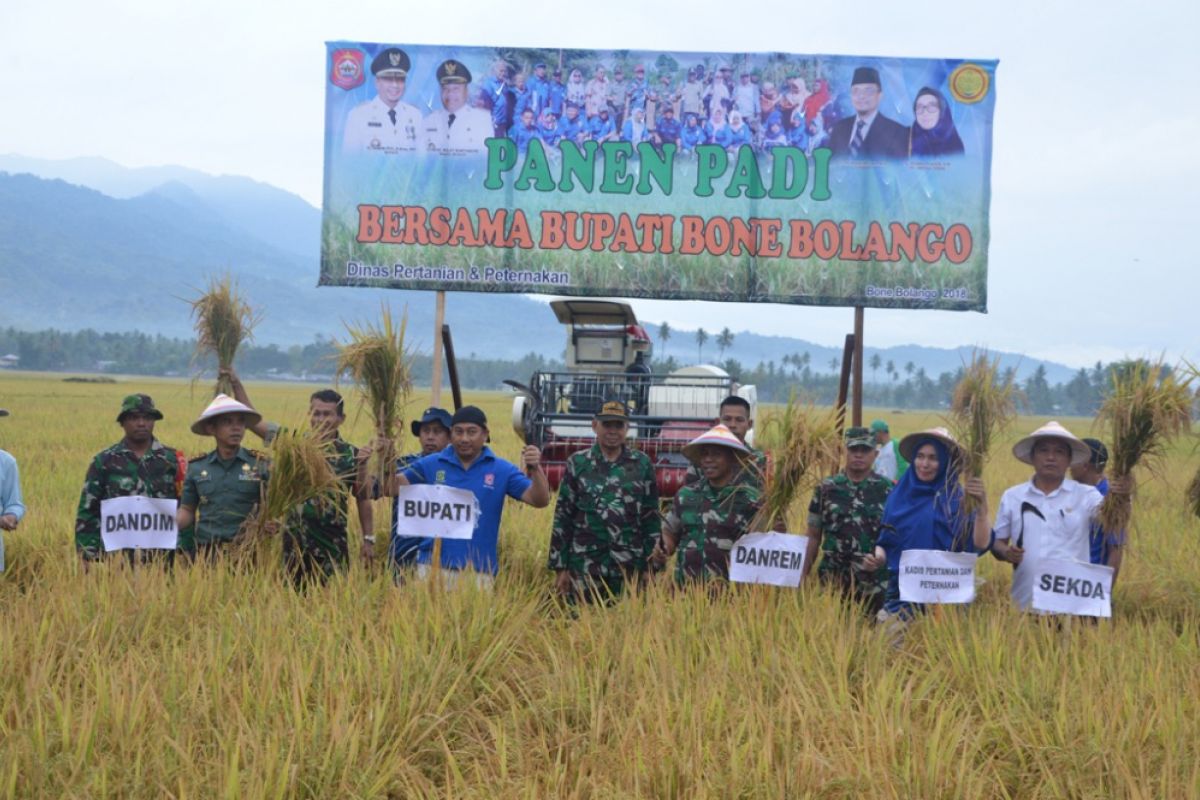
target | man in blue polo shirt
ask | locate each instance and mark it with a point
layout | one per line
(1103, 549)
(432, 430)
(468, 463)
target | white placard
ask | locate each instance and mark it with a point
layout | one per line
(937, 576)
(772, 558)
(1071, 587)
(436, 511)
(136, 522)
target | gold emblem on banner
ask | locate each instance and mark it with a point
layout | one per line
(969, 83)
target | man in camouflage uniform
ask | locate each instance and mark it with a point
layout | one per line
(734, 414)
(139, 464)
(844, 518)
(708, 516)
(315, 533)
(606, 522)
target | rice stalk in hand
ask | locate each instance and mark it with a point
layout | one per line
(981, 407)
(380, 364)
(804, 446)
(1147, 406)
(223, 321)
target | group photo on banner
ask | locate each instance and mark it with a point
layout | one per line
(754, 177)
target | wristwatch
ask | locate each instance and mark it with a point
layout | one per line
(369, 540)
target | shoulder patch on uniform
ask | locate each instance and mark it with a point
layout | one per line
(198, 458)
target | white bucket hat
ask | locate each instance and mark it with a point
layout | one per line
(1080, 452)
(908, 445)
(721, 436)
(224, 404)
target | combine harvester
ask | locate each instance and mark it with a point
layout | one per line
(608, 358)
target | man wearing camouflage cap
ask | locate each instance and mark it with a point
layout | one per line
(385, 124)
(606, 522)
(456, 128)
(12, 509)
(138, 465)
(843, 522)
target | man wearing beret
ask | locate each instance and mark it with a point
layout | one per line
(606, 522)
(843, 522)
(868, 134)
(470, 464)
(385, 124)
(11, 507)
(138, 465)
(456, 128)
(432, 430)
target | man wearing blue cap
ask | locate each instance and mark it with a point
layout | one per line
(868, 134)
(432, 430)
(385, 124)
(538, 86)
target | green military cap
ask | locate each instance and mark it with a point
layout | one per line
(392, 61)
(879, 426)
(859, 437)
(452, 71)
(613, 410)
(138, 404)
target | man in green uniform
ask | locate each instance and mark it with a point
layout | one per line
(843, 519)
(139, 464)
(606, 522)
(708, 516)
(315, 533)
(224, 487)
(734, 414)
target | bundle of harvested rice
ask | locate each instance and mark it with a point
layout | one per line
(223, 320)
(981, 407)
(804, 446)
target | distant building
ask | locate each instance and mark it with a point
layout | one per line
(10, 361)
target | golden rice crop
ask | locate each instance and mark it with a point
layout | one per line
(804, 445)
(981, 407)
(223, 321)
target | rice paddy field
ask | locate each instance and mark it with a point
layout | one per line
(207, 682)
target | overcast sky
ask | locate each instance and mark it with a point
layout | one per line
(1096, 153)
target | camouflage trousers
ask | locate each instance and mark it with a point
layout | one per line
(868, 595)
(306, 561)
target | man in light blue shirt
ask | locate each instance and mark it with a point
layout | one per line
(11, 507)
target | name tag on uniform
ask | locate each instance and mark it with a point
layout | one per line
(136, 522)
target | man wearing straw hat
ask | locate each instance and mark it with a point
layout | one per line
(138, 465)
(708, 516)
(734, 414)
(606, 522)
(843, 520)
(11, 507)
(222, 488)
(1049, 516)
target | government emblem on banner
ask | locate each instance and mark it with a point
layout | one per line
(348, 68)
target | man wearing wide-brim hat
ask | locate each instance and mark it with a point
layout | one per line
(1049, 516)
(12, 509)
(708, 516)
(222, 488)
(138, 465)
(606, 523)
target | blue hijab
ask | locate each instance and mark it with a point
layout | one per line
(943, 138)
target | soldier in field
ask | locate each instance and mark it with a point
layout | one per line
(606, 522)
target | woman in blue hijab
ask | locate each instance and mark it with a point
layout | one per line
(933, 131)
(924, 512)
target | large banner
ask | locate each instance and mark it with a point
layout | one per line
(760, 177)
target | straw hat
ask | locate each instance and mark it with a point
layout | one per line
(224, 404)
(1080, 452)
(908, 445)
(720, 435)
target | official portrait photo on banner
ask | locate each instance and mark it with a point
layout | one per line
(753, 177)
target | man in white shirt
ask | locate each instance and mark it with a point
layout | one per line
(888, 461)
(456, 128)
(1050, 516)
(385, 124)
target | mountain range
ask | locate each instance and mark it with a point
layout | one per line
(88, 243)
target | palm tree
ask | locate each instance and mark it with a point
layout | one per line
(701, 338)
(876, 363)
(891, 369)
(833, 364)
(664, 335)
(724, 341)
(909, 367)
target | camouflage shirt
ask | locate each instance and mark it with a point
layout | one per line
(606, 520)
(754, 471)
(316, 530)
(847, 516)
(707, 521)
(118, 472)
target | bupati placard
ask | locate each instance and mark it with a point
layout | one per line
(935, 576)
(436, 511)
(772, 558)
(1071, 587)
(128, 523)
(765, 177)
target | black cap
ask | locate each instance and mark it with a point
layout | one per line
(866, 75)
(469, 415)
(613, 410)
(452, 71)
(1099, 457)
(391, 61)
(439, 415)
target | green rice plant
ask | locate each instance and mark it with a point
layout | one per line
(223, 321)
(379, 362)
(1147, 406)
(981, 407)
(804, 445)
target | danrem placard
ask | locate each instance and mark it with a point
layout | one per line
(759, 177)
